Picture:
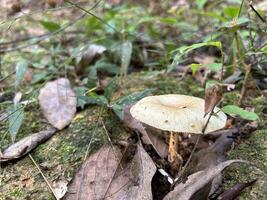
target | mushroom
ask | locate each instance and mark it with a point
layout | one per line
(177, 114)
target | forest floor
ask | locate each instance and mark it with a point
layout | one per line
(61, 156)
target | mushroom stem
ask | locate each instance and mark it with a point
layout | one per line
(174, 156)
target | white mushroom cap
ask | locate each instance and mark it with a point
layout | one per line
(178, 113)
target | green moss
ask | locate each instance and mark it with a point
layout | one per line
(255, 151)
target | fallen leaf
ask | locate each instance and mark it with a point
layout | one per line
(204, 59)
(196, 181)
(94, 177)
(58, 102)
(89, 55)
(105, 175)
(25, 145)
(140, 173)
(202, 75)
(235, 191)
(233, 78)
(213, 96)
(60, 187)
(150, 135)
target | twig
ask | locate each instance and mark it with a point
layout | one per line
(244, 86)
(40, 171)
(33, 13)
(240, 9)
(7, 76)
(45, 36)
(90, 13)
(180, 177)
(110, 142)
(258, 14)
(1, 77)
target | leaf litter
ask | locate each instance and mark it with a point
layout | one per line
(26, 145)
(108, 174)
(58, 102)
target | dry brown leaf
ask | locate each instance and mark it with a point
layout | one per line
(60, 187)
(213, 96)
(235, 191)
(204, 59)
(150, 135)
(88, 57)
(58, 102)
(94, 177)
(196, 181)
(202, 75)
(25, 145)
(105, 176)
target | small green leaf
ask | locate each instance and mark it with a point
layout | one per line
(126, 53)
(168, 20)
(20, 72)
(231, 11)
(217, 67)
(235, 23)
(132, 98)
(93, 98)
(38, 77)
(15, 119)
(112, 86)
(214, 15)
(186, 49)
(50, 26)
(232, 109)
(211, 83)
(194, 67)
(80, 92)
(118, 110)
(201, 3)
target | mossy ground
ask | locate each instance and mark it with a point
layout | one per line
(64, 153)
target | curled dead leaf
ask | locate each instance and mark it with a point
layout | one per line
(25, 145)
(88, 57)
(150, 135)
(213, 96)
(196, 181)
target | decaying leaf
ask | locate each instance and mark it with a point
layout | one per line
(213, 96)
(105, 175)
(94, 177)
(196, 181)
(234, 192)
(58, 102)
(25, 145)
(202, 75)
(150, 135)
(88, 57)
(60, 187)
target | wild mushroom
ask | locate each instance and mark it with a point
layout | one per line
(177, 114)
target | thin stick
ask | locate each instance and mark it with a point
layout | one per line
(92, 14)
(43, 37)
(244, 86)
(240, 9)
(47, 182)
(178, 179)
(110, 142)
(258, 14)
